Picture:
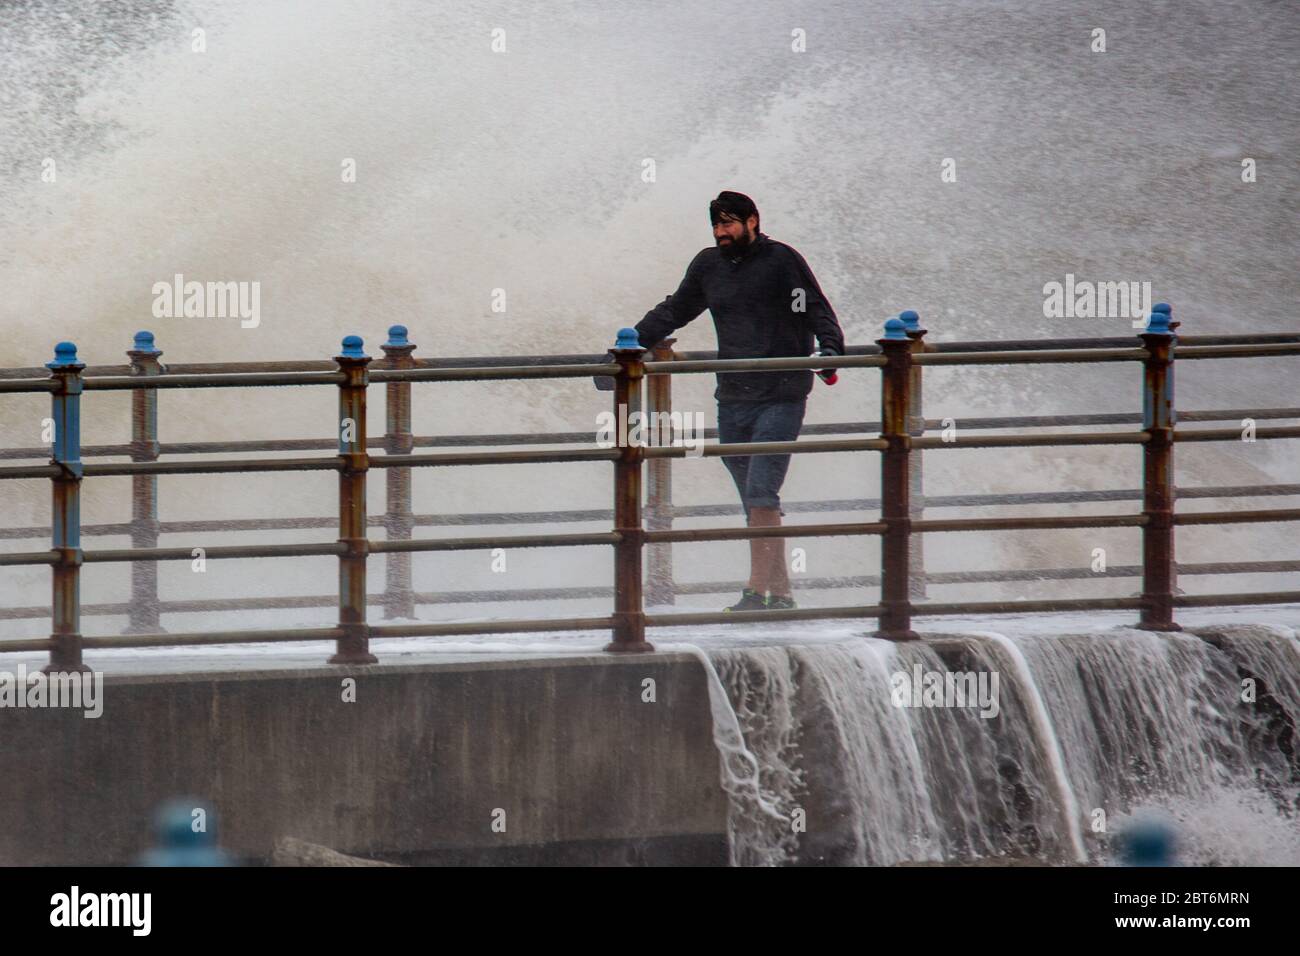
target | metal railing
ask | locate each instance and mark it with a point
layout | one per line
(901, 355)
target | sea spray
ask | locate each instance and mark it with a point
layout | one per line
(477, 171)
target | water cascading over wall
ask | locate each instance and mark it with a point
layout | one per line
(1089, 730)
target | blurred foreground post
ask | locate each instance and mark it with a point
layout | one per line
(659, 485)
(399, 600)
(142, 613)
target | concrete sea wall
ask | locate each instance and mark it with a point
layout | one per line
(563, 755)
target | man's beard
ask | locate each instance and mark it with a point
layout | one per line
(737, 246)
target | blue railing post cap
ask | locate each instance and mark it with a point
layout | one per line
(1158, 321)
(627, 339)
(352, 347)
(144, 342)
(911, 320)
(396, 337)
(65, 356)
(895, 330)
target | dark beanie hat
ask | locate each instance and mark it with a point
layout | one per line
(736, 205)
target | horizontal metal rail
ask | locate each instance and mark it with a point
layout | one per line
(1235, 434)
(695, 618)
(1046, 357)
(242, 380)
(1243, 598)
(1030, 575)
(1237, 351)
(1032, 441)
(564, 438)
(322, 549)
(495, 458)
(197, 638)
(680, 619)
(480, 361)
(609, 454)
(489, 373)
(11, 386)
(782, 531)
(530, 625)
(1238, 517)
(946, 525)
(496, 541)
(30, 471)
(731, 366)
(766, 448)
(20, 558)
(461, 519)
(1252, 338)
(1032, 607)
(230, 466)
(227, 466)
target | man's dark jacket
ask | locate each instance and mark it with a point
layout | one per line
(751, 299)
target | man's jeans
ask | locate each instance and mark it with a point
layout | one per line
(759, 477)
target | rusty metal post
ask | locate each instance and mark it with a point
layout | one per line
(1158, 418)
(354, 645)
(65, 409)
(659, 486)
(399, 522)
(143, 614)
(916, 580)
(895, 488)
(629, 612)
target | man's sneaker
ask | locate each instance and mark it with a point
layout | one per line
(750, 600)
(775, 603)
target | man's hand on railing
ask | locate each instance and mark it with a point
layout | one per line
(828, 375)
(605, 383)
